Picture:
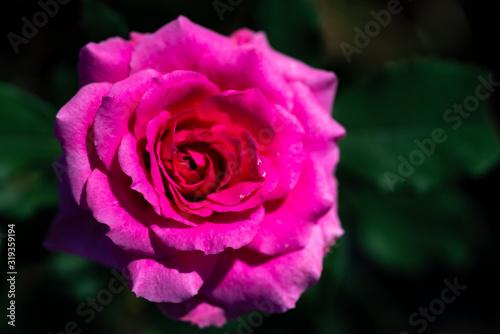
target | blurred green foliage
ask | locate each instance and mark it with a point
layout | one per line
(389, 111)
(399, 246)
(27, 152)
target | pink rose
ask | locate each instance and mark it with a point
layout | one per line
(203, 165)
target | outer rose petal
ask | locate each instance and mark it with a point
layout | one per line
(242, 69)
(248, 109)
(123, 210)
(244, 279)
(112, 119)
(326, 155)
(177, 46)
(323, 84)
(233, 230)
(76, 231)
(107, 61)
(73, 124)
(288, 223)
(198, 310)
(330, 226)
(319, 126)
(173, 280)
(286, 152)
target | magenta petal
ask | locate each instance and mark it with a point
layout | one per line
(323, 84)
(326, 155)
(242, 69)
(330, 226)
(133, 165)
(233, 195)
(154, 131)
(256, 198)
(244, 279)
(137, 37)
(177, 46)
(107, 61)
(123, 210)
(169, 209)
(288, 223)
(74, 131)
(173, 280)
(320, 126)
(198, 310)
(76, 231)
(112, 119)
(286, 152)
(233, 230)
(174, 91)
(247, 109)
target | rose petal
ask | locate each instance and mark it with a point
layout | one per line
(323, 84)
(112, 118)
(74, 130)
(233, 230)
(176, 46)
(244, 279)
(107, 61)
(327, 155)
(123, 210)
(198, 310)
(319, 126)
(132, 164)
(173, 280)
(155, 130)
(76, 231)
(242, 111)
(330, 226)
(137, 37)
(285, 152)
(242, 69)
(248, 201)
(288, 223)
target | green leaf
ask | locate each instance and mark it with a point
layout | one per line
(411, 233)
(27, 152)
(386, 114)
(100, 21)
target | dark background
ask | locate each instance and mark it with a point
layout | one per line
(399, 247)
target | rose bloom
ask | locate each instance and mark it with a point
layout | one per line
(202, 166)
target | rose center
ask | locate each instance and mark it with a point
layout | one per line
(187, 160)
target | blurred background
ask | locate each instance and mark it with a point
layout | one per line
(418, 178)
